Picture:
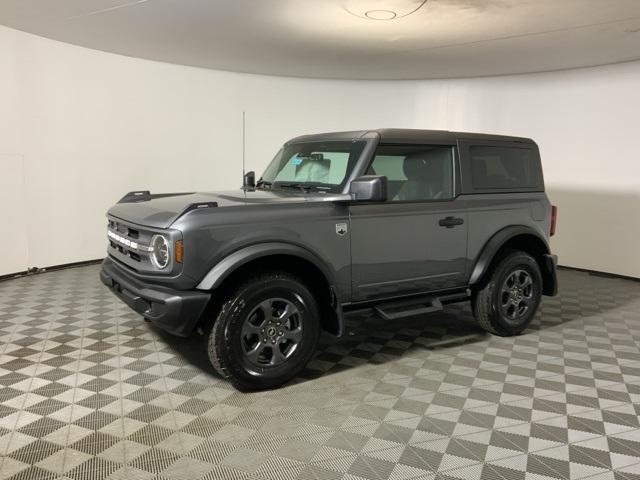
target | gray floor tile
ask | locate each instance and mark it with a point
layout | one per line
(88, 390)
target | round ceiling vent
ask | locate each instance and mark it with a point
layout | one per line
(380, 14)
(383, 9)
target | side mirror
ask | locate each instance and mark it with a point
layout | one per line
(249, 179)
(369, 188)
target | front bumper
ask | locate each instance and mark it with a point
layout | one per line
(175, 311)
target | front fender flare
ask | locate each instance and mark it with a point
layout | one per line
(231, 262)
(235, 260)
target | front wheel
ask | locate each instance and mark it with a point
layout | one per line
(508, 300)
(265, 332)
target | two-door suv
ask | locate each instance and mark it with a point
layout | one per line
(398, 221)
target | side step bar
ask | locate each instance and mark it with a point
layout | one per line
(416, 306)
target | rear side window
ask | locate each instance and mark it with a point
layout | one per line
(504, 168)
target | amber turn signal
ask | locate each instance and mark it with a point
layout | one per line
(179, 251)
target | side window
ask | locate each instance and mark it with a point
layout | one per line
(503, 168)
(415, 172)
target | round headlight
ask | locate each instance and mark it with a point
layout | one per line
(159, 251)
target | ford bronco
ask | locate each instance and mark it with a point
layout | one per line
(396, 221)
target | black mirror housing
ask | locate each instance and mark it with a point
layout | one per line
(369, 188)
(249, 180)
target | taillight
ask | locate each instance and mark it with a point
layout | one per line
(554, 218)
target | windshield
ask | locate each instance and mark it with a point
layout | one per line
(313, 165)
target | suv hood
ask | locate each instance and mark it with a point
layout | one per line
(161, 210)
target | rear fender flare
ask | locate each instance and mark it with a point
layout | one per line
(493, 246)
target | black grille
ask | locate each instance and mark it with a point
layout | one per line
(136, 256)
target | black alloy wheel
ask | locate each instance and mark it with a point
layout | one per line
(506, 301)
(516, 297)
(272, 332)
(265, 331)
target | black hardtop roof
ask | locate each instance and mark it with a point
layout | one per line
(405, 135)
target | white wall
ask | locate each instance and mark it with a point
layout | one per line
(78, 128)
(91, 126)
(586, 124)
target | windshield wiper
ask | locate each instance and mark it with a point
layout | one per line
(264, 183)
(296, 186)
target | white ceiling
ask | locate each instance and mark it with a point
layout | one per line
(334, 39)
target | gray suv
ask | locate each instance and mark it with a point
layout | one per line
(397, 221)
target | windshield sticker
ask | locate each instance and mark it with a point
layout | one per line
(296, 160)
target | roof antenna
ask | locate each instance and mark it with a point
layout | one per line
(243, 147)
(248, 178)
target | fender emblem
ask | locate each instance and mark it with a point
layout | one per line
(341, 229)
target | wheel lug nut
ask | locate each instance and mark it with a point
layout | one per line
(273, 341)
(278, 323)
(279, 333)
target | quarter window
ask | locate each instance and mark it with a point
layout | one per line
(415, 172)
(503, 168)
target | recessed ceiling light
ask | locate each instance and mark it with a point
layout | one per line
(380, 14)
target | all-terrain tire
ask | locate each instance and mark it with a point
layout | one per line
(506, 302)
(244, 317)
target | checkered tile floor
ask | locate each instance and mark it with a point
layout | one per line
(88, 390)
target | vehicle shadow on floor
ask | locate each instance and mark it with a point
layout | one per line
(367, 337)
(371, 340)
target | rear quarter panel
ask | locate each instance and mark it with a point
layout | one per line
(490, 213)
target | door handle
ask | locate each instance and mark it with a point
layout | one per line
(450, 222)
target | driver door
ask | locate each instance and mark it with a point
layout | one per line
(415, 241)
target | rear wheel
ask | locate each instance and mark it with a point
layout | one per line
(507, 302)
(265, 332)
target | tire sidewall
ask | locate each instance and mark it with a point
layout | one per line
(232, 319)
(520, 261)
